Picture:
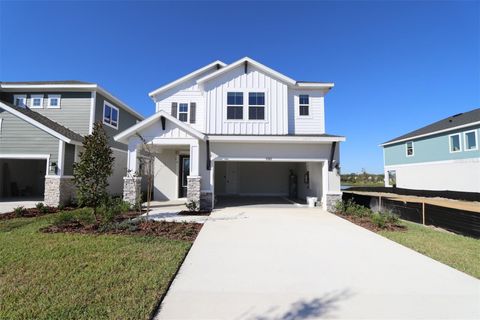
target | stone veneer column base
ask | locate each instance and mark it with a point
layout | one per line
(332, 200)
(193, 189)
(132, 190)
(59, 191)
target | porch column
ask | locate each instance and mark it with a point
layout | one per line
(132, 182)
(194, 179)
(331, 189)
(59, 188)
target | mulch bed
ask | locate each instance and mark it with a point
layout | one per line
(195, 213)
(368, 224)
(125, 224)
(32, 213)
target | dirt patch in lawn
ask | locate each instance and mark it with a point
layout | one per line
(171, 230)
(366, 223)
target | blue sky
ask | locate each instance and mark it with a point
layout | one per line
(396, 65)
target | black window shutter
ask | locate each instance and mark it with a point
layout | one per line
(193, 111)
(174, 109)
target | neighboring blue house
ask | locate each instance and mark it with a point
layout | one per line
(441, 156)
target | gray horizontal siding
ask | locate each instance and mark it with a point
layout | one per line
(74, 112)
(20, 137)
(126, 120)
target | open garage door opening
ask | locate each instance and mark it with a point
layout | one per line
(22, 179)
(267, 182)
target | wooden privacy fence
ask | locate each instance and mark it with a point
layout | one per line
(455, 220)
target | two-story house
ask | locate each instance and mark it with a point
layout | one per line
(237, 129)
(42, 125)
(441, 156)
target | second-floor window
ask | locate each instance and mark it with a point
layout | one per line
(20, 100)
(304, 105)
(36, 101)
(110, 115)
(183, 112)
(256, 106)
(470, 138)
(455, 145)
(53, 101)
(410, 149)
(235, 105)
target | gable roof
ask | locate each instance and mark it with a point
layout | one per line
(123, 136)
(456, 121)
(247, 60)
(43, 123)
(68, 85)
(189, 76)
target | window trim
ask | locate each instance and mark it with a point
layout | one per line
(303, 105)
(20, 96)
(256, 106)
(406, 149)
(53, 96)
(106, 103)
(187, 112)
(459, 142)
(36, 96)
(236, 105)
(465, 140)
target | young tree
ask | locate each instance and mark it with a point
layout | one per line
(91, 173)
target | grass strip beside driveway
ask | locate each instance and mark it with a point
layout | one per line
(459, 252)
(52, 276)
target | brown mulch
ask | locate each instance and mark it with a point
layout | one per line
(171, 230)
(32, 213)
(195, 213)
(368, 224)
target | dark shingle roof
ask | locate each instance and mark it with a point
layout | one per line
(445, 124)
(47, 122)
(46, 82)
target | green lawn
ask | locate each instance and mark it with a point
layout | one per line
(459, 252)
(68, 276)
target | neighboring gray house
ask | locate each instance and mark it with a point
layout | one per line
(42, 125)
(441, 156)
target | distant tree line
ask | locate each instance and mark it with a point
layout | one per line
(362, 178)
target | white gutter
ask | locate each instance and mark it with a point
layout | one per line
(275, 139)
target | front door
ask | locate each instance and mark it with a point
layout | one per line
(184, 172)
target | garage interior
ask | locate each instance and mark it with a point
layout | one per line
(267, 182)
(22, 178)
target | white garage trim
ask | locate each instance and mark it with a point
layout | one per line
(27, 157)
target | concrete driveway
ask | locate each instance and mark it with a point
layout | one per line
(300, 263)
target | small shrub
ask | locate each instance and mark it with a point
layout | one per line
(379, 220)
(39, 206)
(391, 217)
(192, 206)
(19, 211)
(111, 208)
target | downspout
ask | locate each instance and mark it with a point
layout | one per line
(209, 163)
(332, 155)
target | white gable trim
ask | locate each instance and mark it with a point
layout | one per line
(185, 78)
(37, 124)
(258, 65)
(123, 136)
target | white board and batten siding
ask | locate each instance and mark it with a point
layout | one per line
(236, 80)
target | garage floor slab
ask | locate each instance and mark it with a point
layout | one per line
(301, 263)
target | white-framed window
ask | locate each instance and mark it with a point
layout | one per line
(54, 101)
(454, 143)
(234, 105)
(36, 101)
(110, 115)
(409, 149)
(183, 112)
(256, 105)
(470, 140)
(304, 105)
(20, 100)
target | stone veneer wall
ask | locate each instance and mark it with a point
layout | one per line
(332, 200)
(59, 191)
(132, 189)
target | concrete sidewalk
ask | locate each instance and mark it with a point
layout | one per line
(299, 263)
(8, 206)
